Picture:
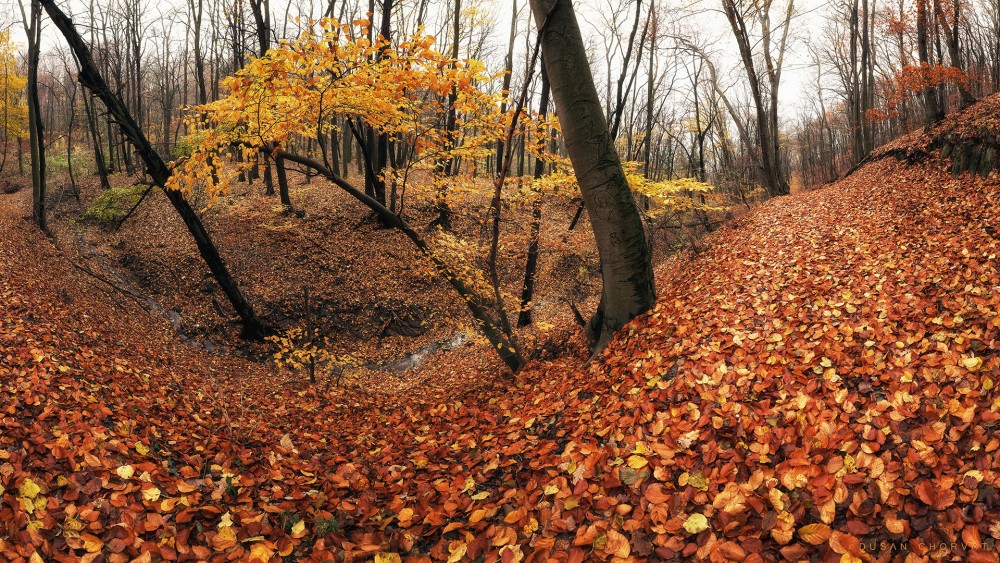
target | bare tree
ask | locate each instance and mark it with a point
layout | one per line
(32, 19)
(743, 16)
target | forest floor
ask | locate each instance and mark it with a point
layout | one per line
(374, 299)
(818, 381)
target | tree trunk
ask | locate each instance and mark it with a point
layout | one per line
(508, 68)
(626, 266)
(382, 141)
(448, 167)
(33, 28)
(92, 80)
(932, 111)
(279, 165)
(531, 266)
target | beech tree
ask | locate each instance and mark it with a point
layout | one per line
(13, 111)
(626, 263)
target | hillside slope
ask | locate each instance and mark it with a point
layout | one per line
(819, 383)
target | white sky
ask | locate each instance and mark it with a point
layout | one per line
(700, 18)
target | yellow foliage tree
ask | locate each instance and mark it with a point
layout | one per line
(296, 91)
(13, 111)
(301, 88)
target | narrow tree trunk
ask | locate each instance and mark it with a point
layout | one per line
(92, 80)
(69, 144)
(36, 140)
(931, 110)
(508, 68)
(279, 165)
(449, 166)
(382, 142)
(531, 266)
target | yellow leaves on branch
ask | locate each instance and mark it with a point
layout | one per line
(300, 87)
(296, 349)
(666, 196)
(13, 111)
(684, 194)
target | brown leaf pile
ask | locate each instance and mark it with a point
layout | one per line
(818, 384)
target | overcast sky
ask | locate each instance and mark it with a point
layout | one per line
(705, 19)
(701, 18)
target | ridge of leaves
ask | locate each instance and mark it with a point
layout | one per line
(824, 373)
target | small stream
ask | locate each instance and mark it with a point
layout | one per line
(414, 360)
(406, 363)
(90, 252)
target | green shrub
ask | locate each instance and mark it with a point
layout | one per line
(111, 206)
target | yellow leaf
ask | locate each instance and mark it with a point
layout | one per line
(262, 553)
(125, 471)
(551, 489)
(480, 495)
(972, 363)
(388, 558)
(696, 523)
(815, 534)
(226, 536)
(152, 494)
(299, 529)
(29, 489)
(143, 449)
(226, 521)
(72, 525)
(698, 481)
(457, 550)
(637, 462)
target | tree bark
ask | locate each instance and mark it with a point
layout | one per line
(33, 29)
(932, 111)
(626, 265)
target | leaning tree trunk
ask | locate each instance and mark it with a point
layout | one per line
(92, 80)
(626, 266)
